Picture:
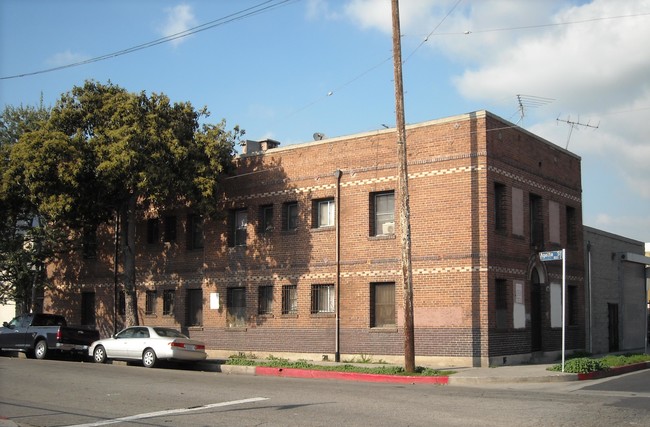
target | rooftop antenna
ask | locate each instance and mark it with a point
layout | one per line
(530, 101)
(574, 125)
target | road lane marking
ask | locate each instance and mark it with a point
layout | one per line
(170, 412)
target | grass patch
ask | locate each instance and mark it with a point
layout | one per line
(585, 365)
(276, 362)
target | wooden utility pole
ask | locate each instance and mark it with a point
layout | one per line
(403, 193)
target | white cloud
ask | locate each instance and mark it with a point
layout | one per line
(320, 9)
(178, 19)
(65, 58)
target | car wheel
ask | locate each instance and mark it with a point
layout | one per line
(40, 349)
(149, 358)
(99, 355)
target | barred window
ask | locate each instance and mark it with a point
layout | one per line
(150, 303)
(289, 299)
(194, 307)
(236, 303)
(322, 299)
(169, 296)
(265, 299)
(500, 208)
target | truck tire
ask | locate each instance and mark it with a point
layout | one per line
(40, 349)
(149, 358)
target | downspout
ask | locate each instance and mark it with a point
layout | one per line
(591, 345)
(337, 204)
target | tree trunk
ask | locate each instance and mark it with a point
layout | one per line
(128, 215)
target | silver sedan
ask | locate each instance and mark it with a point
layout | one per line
(148, 344)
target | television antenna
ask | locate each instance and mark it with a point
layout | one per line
(318, 136)
(524, 102)
(575, 125)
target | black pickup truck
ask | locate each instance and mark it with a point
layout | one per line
(38, 334)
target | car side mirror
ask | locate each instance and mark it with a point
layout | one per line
(5, 324)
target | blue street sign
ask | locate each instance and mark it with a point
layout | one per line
(550, 256)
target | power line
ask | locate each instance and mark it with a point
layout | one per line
(239, 15)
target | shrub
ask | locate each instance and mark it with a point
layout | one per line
(580, 365)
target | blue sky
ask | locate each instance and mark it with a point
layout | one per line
(293, 68)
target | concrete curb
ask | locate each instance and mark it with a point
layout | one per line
(619, 370)
(348, 376)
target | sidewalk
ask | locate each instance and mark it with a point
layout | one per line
(468, 376)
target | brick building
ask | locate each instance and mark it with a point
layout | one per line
(309, 225)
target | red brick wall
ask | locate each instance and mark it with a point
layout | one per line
(453, 164)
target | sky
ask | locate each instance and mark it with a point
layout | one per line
(574, 72)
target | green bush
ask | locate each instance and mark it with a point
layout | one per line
(580, 365)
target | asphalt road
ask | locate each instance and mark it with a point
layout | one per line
(66, 393)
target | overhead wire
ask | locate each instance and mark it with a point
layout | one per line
(257, 9)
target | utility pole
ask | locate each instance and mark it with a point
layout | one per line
(403, 192)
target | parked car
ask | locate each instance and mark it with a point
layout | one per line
(36, 334)
(148, 344)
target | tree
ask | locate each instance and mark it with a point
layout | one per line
(26, 243)
(107, 152)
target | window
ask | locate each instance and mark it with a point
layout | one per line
(150, 303)
(382, 213)
(571, 227)
(236, 303)
(324, 213)
(382, 305)
(290, 216)
(169, 228)
(121, 303)
(194, 307)
(500, 208)
(88, 308)
(264, 299)
(553, 221)
(89, 243)
(153, 232)
(289, 299)
(501, 302)
(168, 302)
(536, 221)
(322, 299)
(266, 219)
(194, 232)
(239, 222)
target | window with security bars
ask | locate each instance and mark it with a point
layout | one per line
(121, 303)
(236, 307)
(169, 228)
(382, 305)
(169, 296)
(289, 299)
(501, 303)
(264, 299)
(322, 299)
(194, 307)
(150, 303)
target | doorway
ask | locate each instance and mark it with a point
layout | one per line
(612, 322)
(535, 312)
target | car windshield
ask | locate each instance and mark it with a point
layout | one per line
(168, 332)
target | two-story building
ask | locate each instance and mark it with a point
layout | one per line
(306, 260)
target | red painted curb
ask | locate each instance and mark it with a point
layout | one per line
(619, 370)
(347, 376)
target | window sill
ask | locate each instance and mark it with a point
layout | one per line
(383, 329)
(289, 315)
(195, 328)
(323, 315)
(236, 329)
(322, 229)
(382, 237)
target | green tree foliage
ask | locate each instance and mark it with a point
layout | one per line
(26, 243)
(107, 153)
